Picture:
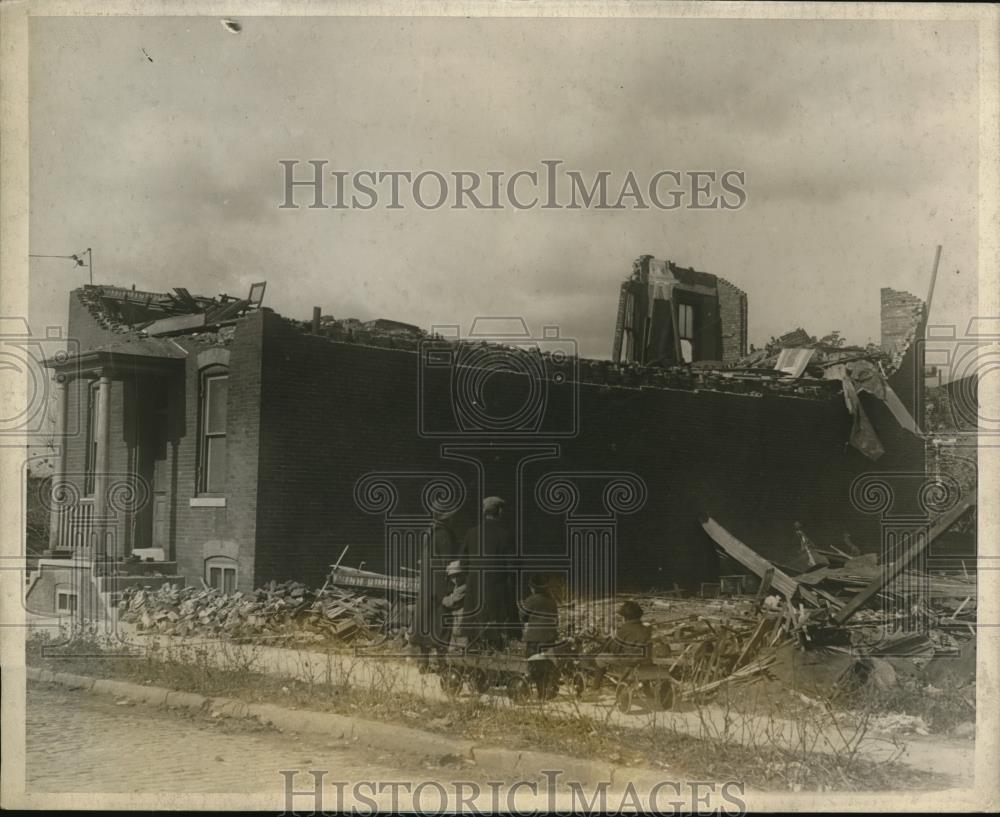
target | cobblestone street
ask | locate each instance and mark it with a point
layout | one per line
(81, 742)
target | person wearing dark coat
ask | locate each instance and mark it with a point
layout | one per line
(540, 615)
(495, 615)
(429, 632)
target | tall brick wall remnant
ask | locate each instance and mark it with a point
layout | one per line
(733, 316)
(902, 314)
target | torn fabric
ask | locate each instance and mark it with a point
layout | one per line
(863, 435)
(867, 377)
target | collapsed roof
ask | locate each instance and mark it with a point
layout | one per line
(122, 310)
(796, 364)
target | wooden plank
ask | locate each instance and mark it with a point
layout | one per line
(890, 571)
(765, 586)
(752, 560)
(176, 323)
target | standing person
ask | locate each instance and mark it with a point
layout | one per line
(428, 632)
(496, 615)
(454, 606)
(540, 615)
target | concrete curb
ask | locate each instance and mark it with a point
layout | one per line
(123, 689)
(374, 734)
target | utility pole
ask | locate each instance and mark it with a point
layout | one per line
(77, 258)
(934, 272)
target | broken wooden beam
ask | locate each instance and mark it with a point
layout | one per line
(893, 569)
(765, 587)
(753, 561)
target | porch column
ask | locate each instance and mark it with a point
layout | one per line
(57, 511)
(101, 462)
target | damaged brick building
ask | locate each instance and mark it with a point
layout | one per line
(229, 444)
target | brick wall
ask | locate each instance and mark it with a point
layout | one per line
(901, 314)
(734, 319)
(333, 412)
(309, 417)
(170, 464)
(82, 326)
(202, 532)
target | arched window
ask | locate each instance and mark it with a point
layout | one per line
(214, 388)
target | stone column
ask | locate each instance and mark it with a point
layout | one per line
(57, 510)
(101, 464)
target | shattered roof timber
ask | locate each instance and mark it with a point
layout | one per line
(122, 310)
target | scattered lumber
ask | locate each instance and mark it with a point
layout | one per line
(753, 561)
(893, 569)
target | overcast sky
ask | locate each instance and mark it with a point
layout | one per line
(156, 141)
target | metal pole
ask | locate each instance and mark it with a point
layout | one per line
(90, 264)
(934, 272)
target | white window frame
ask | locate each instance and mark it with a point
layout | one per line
(685, 322)
(213, 373)
(224, 567)
(685, 331)
(67, 594)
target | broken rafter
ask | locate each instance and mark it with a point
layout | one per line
(893, 569)
(753, 561)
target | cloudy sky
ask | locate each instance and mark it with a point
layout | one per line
(156, 141)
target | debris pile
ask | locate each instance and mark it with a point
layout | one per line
(816, 354)
(285, 612)
(846, 622)
(382, 332)
(851, 619)
(703, 644)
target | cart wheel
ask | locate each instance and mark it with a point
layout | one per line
(579, 684)
(665, 694)
(518, 689)
(481, 681)
(451, 681)
(623, 697)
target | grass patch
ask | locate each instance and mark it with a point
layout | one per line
(765, 764)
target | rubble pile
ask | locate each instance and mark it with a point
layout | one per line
(838, 620)
(703, 643)
(823, 352)
(382, 333)
(289, 612)
(850, 618)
